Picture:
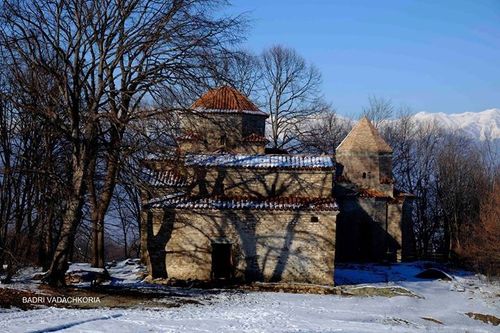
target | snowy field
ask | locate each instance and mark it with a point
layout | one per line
(441, 306)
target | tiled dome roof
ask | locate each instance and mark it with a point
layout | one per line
(226, 99)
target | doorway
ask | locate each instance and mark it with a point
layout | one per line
(222, 262)
(366, 239)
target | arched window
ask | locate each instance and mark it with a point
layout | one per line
(223, 140)
(364, 175)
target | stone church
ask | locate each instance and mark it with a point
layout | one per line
(225, 207)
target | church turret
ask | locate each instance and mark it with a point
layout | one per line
(364, 159)
(223, 119)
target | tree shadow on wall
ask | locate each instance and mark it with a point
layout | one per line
(157, 239)
(263, 256)
(256, 255)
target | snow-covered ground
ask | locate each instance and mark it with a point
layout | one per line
(440, 307)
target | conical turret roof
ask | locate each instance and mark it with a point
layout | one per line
(364, 137)
(226, 99)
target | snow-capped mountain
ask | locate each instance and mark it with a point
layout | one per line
(477, 125)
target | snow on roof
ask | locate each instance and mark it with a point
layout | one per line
(156, 202)
(261, 161)
(163, 156)
(241, 203)
(162, 178)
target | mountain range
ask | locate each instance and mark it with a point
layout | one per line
(477, 125)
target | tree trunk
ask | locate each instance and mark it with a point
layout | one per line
(100, 202)
(98, 240)
(45, 242)
(72, 216)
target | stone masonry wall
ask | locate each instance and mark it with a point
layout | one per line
(262, 182)
(369, 229)
(266, 245)
(212, 127)
(223, 131)
(367, 170)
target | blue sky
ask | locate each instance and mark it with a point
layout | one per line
(435, 56)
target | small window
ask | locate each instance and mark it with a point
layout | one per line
(314, 219)
(364, 175)
(223, 140)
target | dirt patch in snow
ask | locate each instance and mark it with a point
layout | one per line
(485, 318)
(369, 291)
(433, 320)
(399, 321)
(78, 298)
(361, 291)
(294, 288)
(13, 298)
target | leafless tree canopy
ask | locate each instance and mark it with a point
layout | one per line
(86, 90)
(96, 62)
(453, 179)
(323, 133)
(378, 110)
(240, 69)
(290, 92)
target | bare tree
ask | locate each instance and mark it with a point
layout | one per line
(461, 184)
(32, 176)
(416, 146)
(239, 69)
(481, 245)
(290, 92)
(104, 58)
(378, 110)
(323, 133)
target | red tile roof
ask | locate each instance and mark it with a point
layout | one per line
(226, 99)
(255, 138)
(371, 193)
